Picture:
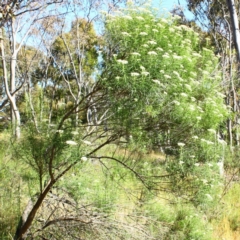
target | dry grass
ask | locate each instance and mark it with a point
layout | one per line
(228, 225)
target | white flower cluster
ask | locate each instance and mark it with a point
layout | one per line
(167, 76)
(127, 17)
(86, 142)
(196, 54)
(188, 87)
(212, 131)
(70, 142)
(145, 73)
(156, 81)
(165, 55)
(183, 94)
(152, 42)
(207, 142)
(125, 34)
(180, 144)
(176, 102)
(134, 74)
(159, 49)
(122, 61)
(177, 57)
(140, 18)
(136, 54)
(143, 34)
(152, 53)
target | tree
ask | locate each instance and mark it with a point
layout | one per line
(14, 15)
(166, 91)
(46, 143)
(219, 18)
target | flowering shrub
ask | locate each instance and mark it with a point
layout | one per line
(163, 80)
(165, 89)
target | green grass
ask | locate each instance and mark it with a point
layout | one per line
(109, 188)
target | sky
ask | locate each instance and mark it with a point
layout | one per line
(169, 4)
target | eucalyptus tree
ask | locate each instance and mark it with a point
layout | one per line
(56, 141)
(18, 19)
(75, 54)
(220, 20)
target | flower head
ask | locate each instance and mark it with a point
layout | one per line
(183, 94)
(167, 76)
(87, 142)
(125, 34)
(152, 42)
(176, 102)
(140, 18)
(188, 87)
(134, 74)
(177, 57)
(212, 131)
(136, 54)
(59, 131)
(127, 17)
(70, 142)
(84, 159)
(75, 133)
(156, 81)
(122, 61)
(152, 53)
(165, 55)
(145, 73)
(180, 144)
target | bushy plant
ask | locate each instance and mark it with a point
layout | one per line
(159, 68)
(165, 90)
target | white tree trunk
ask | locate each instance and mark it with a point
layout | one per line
(10, 90)
(235, 26)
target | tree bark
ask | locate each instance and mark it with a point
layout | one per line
(10, 91)
(235, 27)
(27, 220)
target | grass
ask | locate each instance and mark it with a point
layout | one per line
(227, 226)
(112, 189)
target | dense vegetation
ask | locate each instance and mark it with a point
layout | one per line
(120, 136)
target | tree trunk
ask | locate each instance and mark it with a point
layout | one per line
(235, 27)
(10, 91)
(30, 213)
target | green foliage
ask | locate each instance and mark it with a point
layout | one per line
(177, 221)
(80, 42)
(165, 89)
(11, 186)
(160, 79)
(160, 88)
(88, 184)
